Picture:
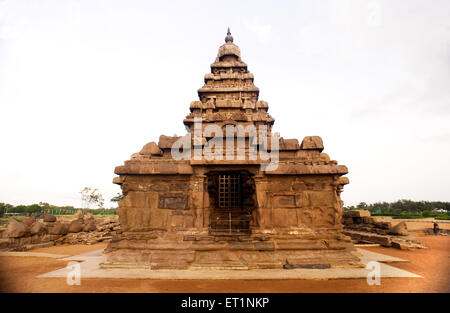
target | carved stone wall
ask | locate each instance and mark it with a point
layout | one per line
(156, 203)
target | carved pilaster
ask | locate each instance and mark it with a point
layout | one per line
(198, 189)
(262, 212)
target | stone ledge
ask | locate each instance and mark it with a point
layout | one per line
(302, 169)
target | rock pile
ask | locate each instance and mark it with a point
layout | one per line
(48, 231)
(102, 230)
(362, 228)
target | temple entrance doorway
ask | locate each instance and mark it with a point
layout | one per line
(231, 212)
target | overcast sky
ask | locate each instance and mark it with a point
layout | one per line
(84, 84)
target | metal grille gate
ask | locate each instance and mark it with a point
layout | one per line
(229, 191)
(229, 218)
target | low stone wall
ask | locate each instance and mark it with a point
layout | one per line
(362, 228)
(47, 230)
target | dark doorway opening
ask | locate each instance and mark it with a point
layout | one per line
(232, 202)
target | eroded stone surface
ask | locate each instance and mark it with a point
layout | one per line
(15, 229)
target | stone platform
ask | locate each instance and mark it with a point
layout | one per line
(90, 268)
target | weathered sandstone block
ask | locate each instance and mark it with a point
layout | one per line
(15, 229)
(399, 229)
(38, 228)
(29, 221)
(357, 213)
(75, 226)
(89, 226)
(58, 228)
(48, 218)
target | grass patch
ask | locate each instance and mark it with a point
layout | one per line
(381, 215)
(407, 217)
(17, 218)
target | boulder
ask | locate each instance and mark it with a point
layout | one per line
(48, 218)
(65, 228)
(58, 229)
(38, 228)
(399, 229)
(79, 215)
(90, 226)
(75, 226)
(29, 221)
(15, 229)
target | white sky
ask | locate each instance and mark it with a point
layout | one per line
(84, 84)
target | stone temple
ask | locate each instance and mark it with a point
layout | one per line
(242, 200)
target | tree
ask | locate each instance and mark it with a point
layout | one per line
(362, 205)
(2, 208)
(90, 198)
(118, 197)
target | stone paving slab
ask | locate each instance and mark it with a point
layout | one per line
(90, 269)
(84, 256)
(367, 256)
(33, 254)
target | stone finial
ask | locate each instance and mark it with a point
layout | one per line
(228, 38)
(312, 143)
(151, 149)
(166, 142)
(289, 144)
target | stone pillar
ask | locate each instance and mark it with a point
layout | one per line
(198, 189)
(262, 215)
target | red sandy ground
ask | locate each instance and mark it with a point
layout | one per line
(18, 274)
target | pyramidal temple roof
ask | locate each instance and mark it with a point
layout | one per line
(229, 93)
(230, 98)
